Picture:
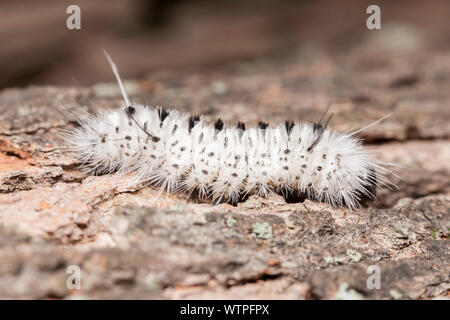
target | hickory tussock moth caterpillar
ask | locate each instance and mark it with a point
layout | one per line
(177, 151)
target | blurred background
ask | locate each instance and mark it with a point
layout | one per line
(147, 36)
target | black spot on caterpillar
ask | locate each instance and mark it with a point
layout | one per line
(218, 125)
(193, 121)
(263, 125)
(162, 114)
(289, 125)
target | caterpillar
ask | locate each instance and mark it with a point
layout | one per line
(175, 151)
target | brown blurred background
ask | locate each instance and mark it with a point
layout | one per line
(145, 36)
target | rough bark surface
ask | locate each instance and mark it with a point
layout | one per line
(129, 243)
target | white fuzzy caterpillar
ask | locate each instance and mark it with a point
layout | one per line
(176, 151)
